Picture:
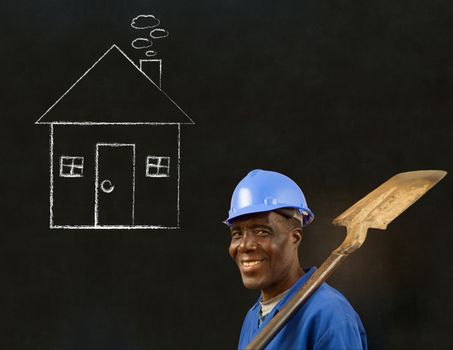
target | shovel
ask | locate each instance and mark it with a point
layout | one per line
(375, 210)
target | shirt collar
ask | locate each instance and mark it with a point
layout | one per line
(295, 287)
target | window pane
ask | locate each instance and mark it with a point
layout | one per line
(157, 166)
(71, 166)
(78, 161)
(164, 162)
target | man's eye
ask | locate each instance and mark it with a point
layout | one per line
(235, 235)
(262, 232)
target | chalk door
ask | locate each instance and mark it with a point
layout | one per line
(115, 184)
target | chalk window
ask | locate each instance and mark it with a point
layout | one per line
(71, 166)
(157, 166)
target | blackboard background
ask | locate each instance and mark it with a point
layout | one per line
(338, 95)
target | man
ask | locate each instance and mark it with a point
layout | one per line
(268, 211)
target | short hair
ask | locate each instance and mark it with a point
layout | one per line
(293, 214)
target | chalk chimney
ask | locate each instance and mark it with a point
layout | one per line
(153, 69)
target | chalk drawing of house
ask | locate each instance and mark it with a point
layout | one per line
(115, 145)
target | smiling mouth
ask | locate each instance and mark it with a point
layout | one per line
(249, 263)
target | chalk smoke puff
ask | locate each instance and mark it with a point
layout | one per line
(143, 22)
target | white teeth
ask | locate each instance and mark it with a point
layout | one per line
(251, 263)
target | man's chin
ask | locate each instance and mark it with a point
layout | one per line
(252, 283)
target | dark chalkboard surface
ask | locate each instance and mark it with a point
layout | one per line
(339, 96)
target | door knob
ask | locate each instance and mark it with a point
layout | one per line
(106, 186)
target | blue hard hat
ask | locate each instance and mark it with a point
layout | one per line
(263, 190)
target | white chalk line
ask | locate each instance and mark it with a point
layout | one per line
(179, 174)
(133, 184)
(114, 144)
(105, 189)
(114, 123)
(96, 184)
(114, 227)
(77, 81)
(143, 73)
(89, 69)
(133, 25)
(141, 47)
(160, 68)
(72, 166)
(51, 176)
(96, 181)
(157, 166)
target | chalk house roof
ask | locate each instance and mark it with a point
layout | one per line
(114, 91)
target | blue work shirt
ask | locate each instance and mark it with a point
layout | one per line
(325, 322)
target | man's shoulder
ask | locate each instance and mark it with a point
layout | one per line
(326, 294)
(328, 318)
(329, 303)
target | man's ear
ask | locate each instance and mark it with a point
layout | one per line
(296, 235)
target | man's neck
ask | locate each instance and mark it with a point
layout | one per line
(273, 291)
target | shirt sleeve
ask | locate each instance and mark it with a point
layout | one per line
(344, 335)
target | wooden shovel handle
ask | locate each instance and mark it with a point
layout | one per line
(279, 320)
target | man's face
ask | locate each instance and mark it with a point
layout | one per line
(264, 246)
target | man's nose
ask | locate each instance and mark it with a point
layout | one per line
(248, 242)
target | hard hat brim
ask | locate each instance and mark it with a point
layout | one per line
(308, 215)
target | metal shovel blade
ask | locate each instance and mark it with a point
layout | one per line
(385, 203)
